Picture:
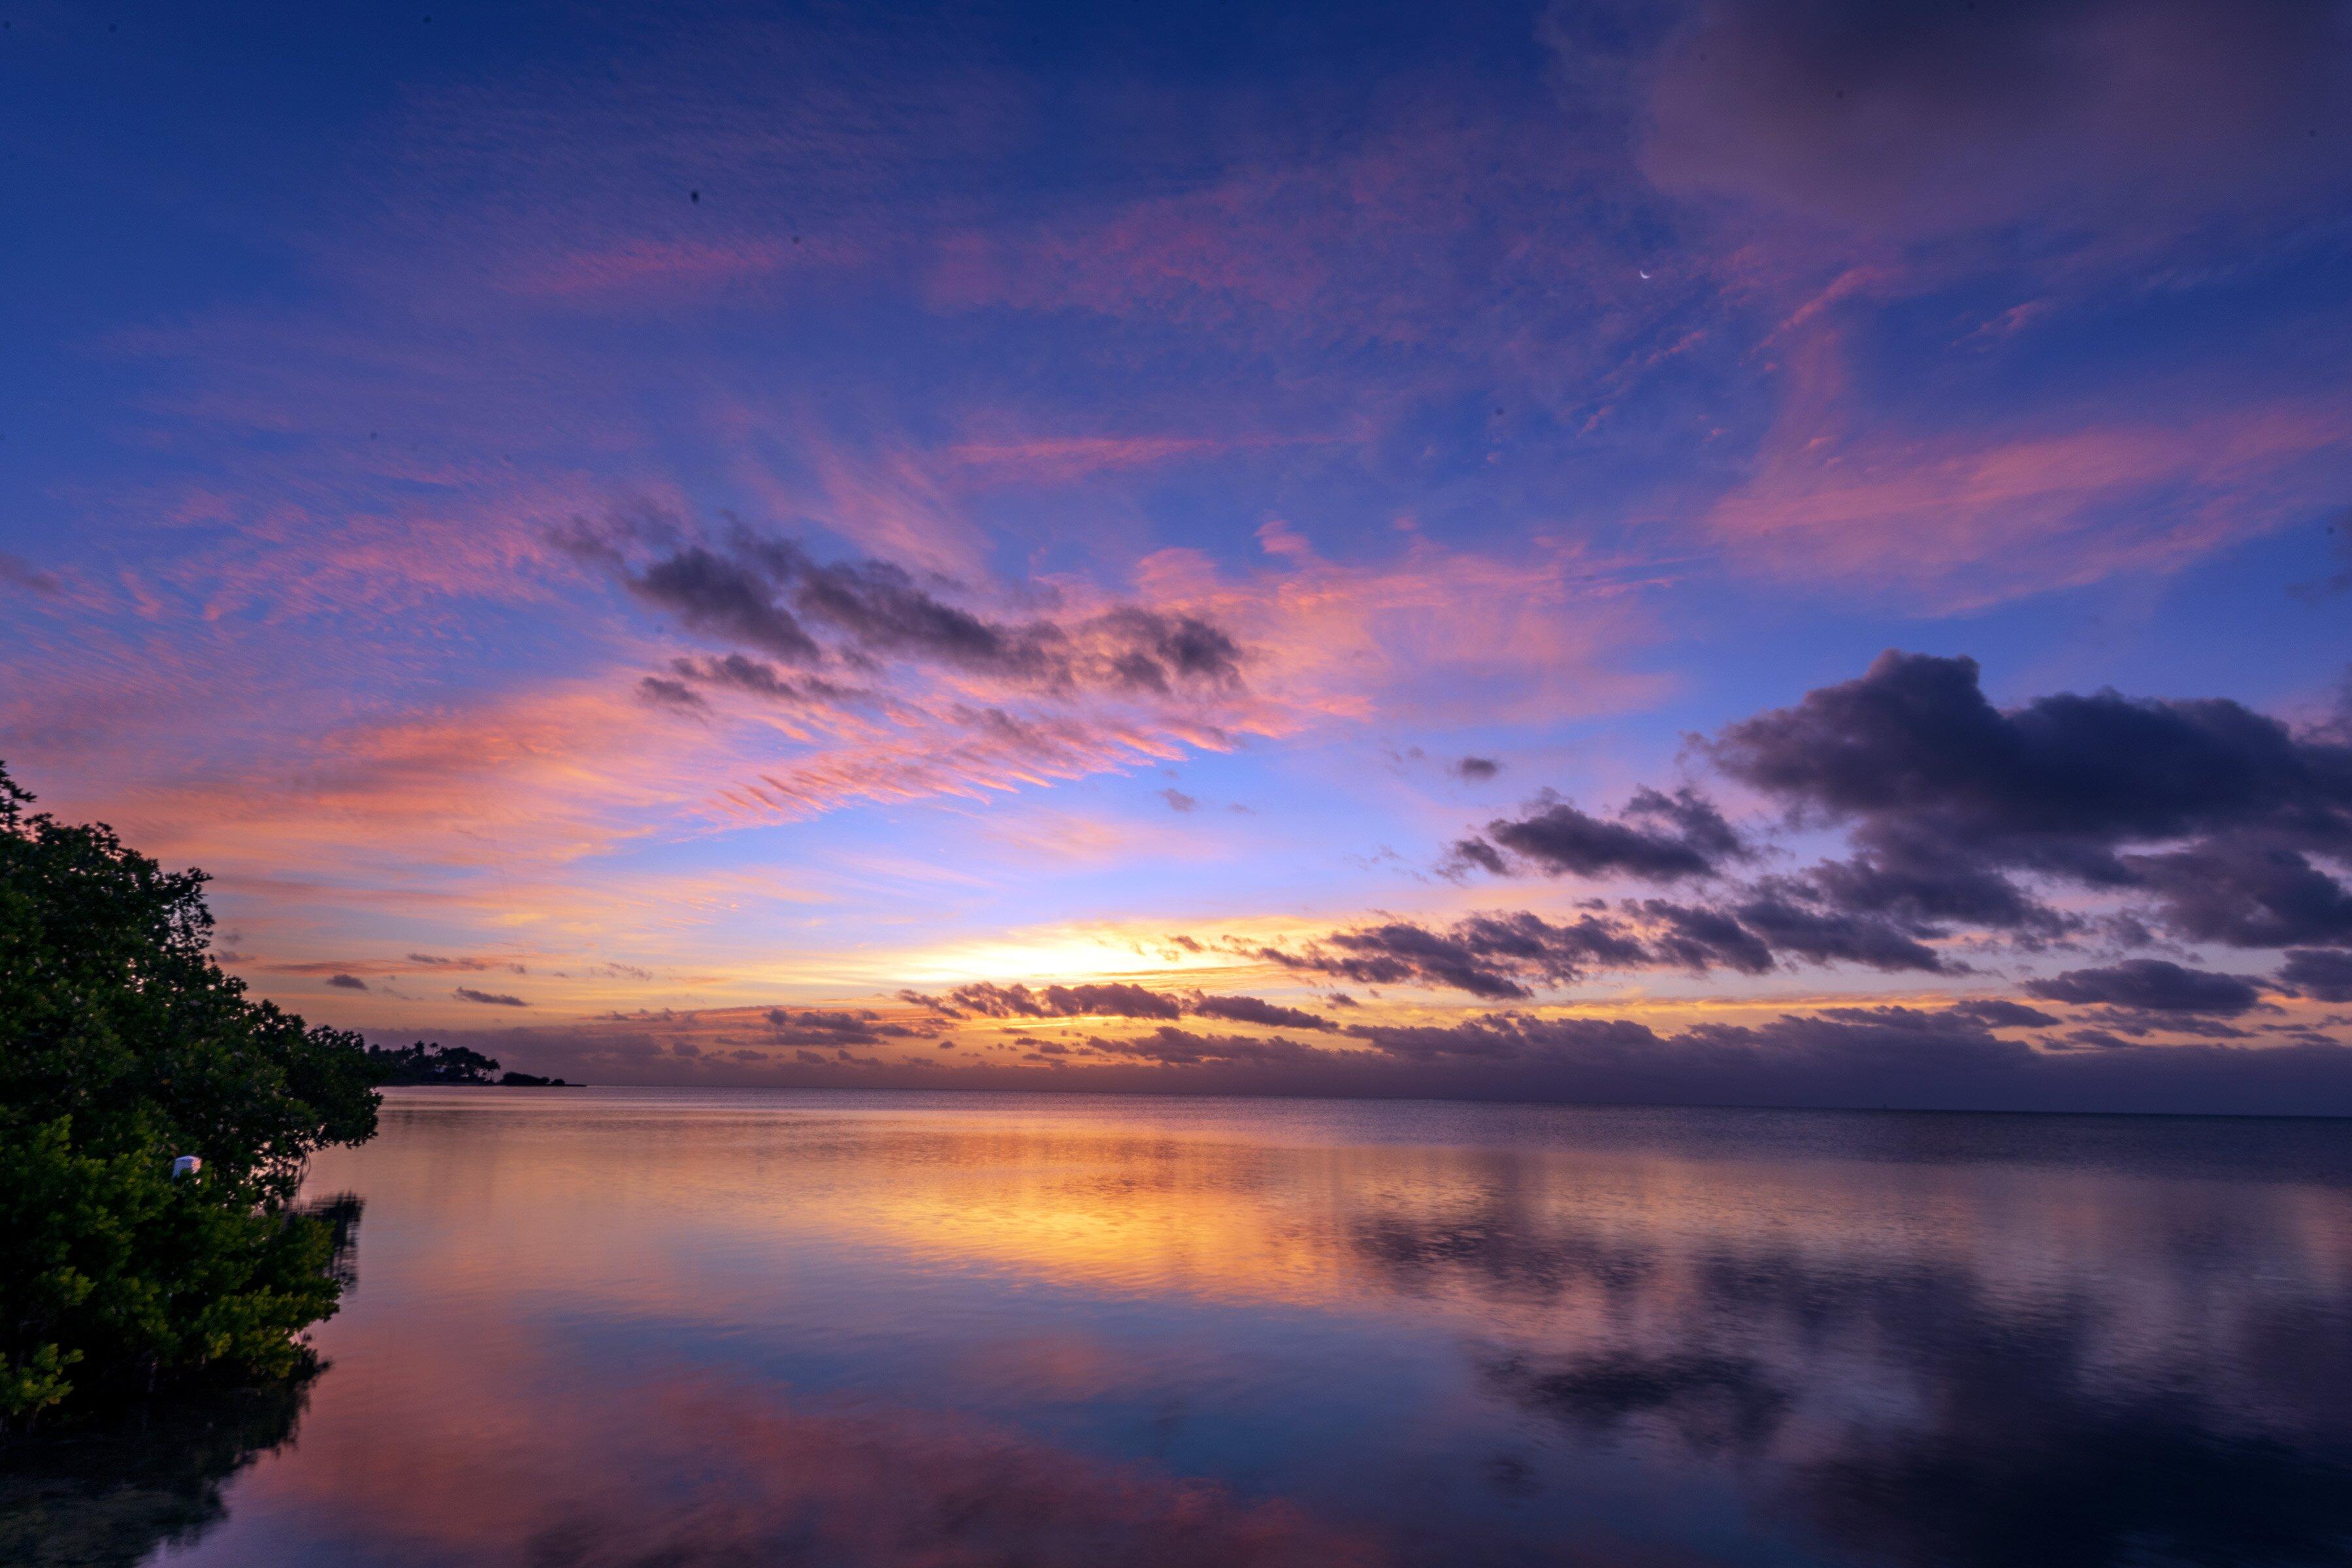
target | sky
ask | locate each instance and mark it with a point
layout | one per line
(1778, 554)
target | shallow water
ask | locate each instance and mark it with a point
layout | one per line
(634, 1327)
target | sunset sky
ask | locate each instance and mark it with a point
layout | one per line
(1782, 553)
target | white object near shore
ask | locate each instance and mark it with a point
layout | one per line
(186, 1165)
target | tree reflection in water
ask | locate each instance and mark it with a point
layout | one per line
(107, 1492)
(107, 1495)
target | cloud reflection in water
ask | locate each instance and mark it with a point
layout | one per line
(630, 1328)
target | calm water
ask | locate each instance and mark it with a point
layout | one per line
(615, 1328)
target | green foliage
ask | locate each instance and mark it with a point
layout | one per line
(121, 1046)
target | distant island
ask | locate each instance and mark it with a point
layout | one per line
(424, 1063)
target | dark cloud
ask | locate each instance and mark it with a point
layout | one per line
(930, 1004)
(725, 597)
(1949, 801)
(756, 677)
(2001, 1013)
(1511, 1037)
(488, 998)
(1170, 1046)
(347, 981)
(1252, 1010)
(1941, 115)
(2247, 890)
(1836, 936)
(1116, 999)
(1504, 956)
(1699, 939)
(1469, 852)
(2204, 820)
(1476, 770)
(1839, 1057)
(2149, 985)
(2052, 783)
(16, 571)
(2200, 820)
(1657, 837)
(809, 1026)
(1498, 956)
(1152, 651)
(1178, 800)
(1920, 884)
(2326, 976)
(770, 596)
(666, 693)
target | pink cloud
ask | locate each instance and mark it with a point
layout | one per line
(1964, 515)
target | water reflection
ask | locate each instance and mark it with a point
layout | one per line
(108, 1490)
(638, 1329)
(107, 1496)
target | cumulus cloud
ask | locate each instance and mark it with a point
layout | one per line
(1476, 770)
(1786, 917)
(2316, 972)
(347, 981)
(2149, 985)
(2252, 888)
(1961, 823)
(2212, 818)
(1657, 837)
(1949, 800)
(1698, 938)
